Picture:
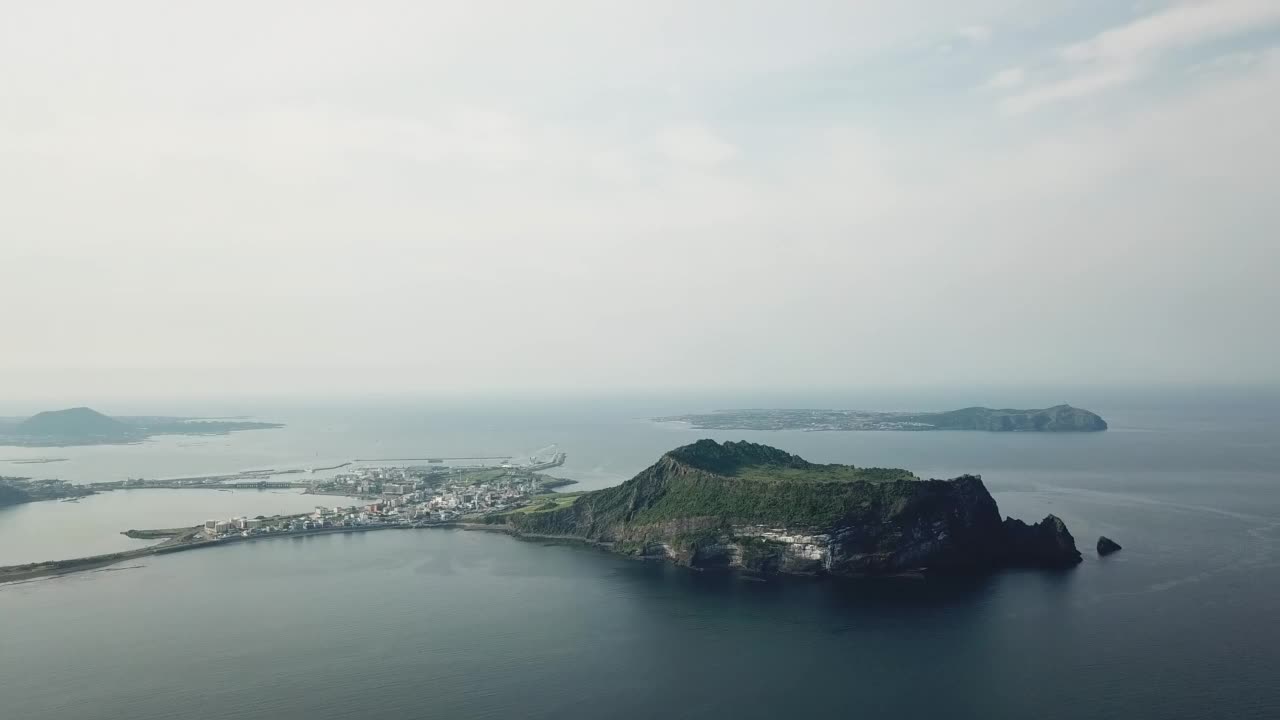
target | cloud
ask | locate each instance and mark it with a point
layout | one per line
(1077, 86)
(1228, 63)
(1127, 53)
(1007, 78)
(525, 184)
(975, 33)
(694, 147)
(1184, 25)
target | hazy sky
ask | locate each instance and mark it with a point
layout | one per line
(310, 196)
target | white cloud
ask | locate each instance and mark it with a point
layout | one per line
(615, 165)
(695, 147)
(1007, 78)
(1183, 25)
(1123, 55)
(527, 185)
(1228, 63)
(1077, 86)
(975, 33)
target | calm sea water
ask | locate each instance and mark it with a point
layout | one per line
(93, 525)
(453, 624)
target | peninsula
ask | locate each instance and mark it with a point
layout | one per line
(1059, 418)
(18, 490)
(85, 426)
(739, 504)
(397, 498)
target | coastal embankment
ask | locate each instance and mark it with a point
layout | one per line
(179, 540)
(182, 540)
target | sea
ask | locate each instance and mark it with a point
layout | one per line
(1181, 623)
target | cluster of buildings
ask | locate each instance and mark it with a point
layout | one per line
(399, 497)
(240, 525)
(323, 518)
(418, 491)
(441, 498)
(378, 480)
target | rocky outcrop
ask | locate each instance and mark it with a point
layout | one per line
(1048, 543)
(767, 511)
(1106, 546)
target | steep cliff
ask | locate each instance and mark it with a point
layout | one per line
(752, 506)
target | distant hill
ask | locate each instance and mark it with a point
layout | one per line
(85, 426)
(1059, 418)
(75, 423)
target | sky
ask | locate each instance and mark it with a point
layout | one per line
(277, 197)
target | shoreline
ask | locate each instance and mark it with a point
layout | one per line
(507, 530)
(178, 541)
(260, 479)
(191, 538)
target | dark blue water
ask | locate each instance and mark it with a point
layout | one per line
(1180, 624)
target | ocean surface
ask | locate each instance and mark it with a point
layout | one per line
(452, 624)
(93, 525)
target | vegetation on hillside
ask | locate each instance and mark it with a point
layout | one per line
(731, 483)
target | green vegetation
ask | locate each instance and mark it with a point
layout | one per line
(541, 504)
(767, 500)
(553, 501)
(700, 502)
(731, 483)
(759, 553)
(476, 477)
(548, 484)
(761, 463)
(822, 474)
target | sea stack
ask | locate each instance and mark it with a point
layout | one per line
(1106, 545)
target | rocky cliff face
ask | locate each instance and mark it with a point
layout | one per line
(764, 510)
(1048, 543)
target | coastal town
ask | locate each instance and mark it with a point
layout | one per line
(362, 479)
(391, 496)
(404, 496)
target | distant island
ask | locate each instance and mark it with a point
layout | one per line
(750, 506)
(84, 426)
(1059, 418)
